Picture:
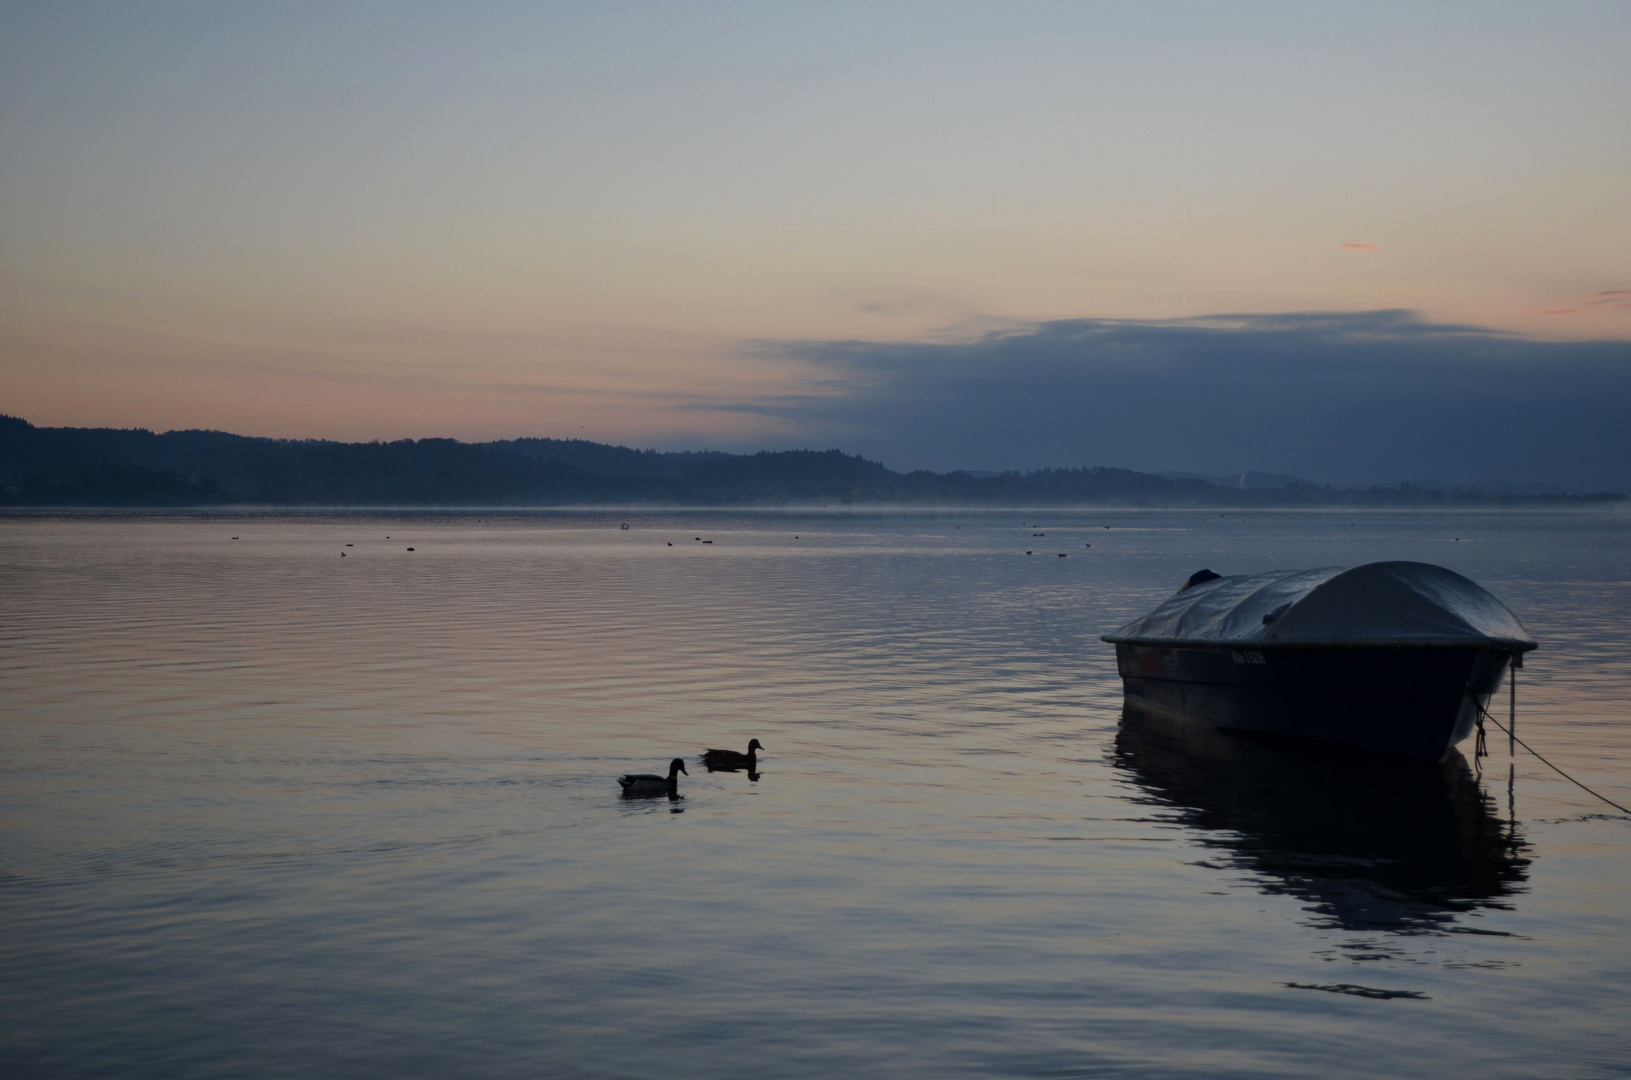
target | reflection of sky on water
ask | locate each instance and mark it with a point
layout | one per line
(261, 805)
(1366, 844)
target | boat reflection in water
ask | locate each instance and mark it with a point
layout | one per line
(1369, 844)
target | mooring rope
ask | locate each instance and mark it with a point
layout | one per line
(1548, 764)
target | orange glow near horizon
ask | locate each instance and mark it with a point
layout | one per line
(519, 223)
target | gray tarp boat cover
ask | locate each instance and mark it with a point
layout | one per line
(1385, 603)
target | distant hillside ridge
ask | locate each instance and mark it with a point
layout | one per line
(134, 467)
(601, 458)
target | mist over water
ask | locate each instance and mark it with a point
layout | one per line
(265, 811)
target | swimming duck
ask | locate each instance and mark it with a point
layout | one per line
(647, 785)
(732, 759)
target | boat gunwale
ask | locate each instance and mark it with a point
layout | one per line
(1509, 645)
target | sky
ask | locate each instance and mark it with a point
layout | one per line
(1353, 242)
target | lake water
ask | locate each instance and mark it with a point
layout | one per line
(265, 811)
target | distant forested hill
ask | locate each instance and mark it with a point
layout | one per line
(118, 467)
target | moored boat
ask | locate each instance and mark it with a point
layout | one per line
(1390, 657)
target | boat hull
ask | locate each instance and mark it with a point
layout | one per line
(1414, 702)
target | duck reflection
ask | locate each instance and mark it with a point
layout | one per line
(1368, 844)
(753, 775)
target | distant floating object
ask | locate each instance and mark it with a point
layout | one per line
(671, 543)
(235, 538)
(649, 785)
(624, 526)
(707, 541)
(410, 549)
(1027, 553)
(1087, 545)
(342, 554)
(734, 759)
(1061, 554)
(351, 545)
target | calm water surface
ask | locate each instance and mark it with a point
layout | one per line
(269, 812)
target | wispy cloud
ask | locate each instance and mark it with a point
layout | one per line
(1617, 298)
(1341, 396)
(1612, 299)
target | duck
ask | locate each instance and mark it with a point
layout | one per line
(732, 759)
(648, 785)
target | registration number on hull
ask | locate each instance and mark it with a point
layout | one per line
(1248, 657)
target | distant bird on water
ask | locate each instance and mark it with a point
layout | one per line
(649, 785)
(732, 759)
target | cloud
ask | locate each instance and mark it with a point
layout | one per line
(1611, 299)
(1360, 247)
(1336, 396)
(1616, 298)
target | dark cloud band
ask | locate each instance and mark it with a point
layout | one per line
(1340, 397)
